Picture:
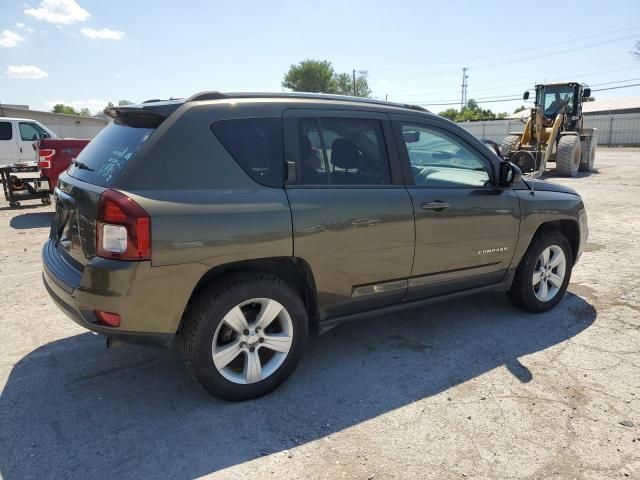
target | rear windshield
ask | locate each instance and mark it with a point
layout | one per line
(108, 153)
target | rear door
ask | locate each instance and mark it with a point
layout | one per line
(9, 150)
(352, 216)
(466, 227)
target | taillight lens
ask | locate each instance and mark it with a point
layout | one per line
(123, 229)
(44, 157)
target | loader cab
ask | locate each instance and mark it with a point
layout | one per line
(551, 98)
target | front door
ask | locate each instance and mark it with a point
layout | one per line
(352, 216)
(466, 227)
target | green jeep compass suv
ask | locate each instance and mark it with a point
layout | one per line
(238, 223)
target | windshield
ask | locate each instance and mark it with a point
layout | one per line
(107, 154)
(552, 98)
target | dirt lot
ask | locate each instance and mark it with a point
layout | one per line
(466, 389)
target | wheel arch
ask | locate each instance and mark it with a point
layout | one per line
(295, 271)
(568, 228)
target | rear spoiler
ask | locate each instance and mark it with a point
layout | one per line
(143, 114)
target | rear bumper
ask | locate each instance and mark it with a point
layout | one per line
(148, 299)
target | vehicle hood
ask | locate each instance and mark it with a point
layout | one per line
(549, 186)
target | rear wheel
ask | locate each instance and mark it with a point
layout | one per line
(588, 156)
(568, 156)
(242, 338)
(543, 274)
(509, 144)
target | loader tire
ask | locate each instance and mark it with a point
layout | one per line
(568, 156)
(589, 156)
(509, 144)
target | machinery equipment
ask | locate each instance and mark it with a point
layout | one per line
(554, 133)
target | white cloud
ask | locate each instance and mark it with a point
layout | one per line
(59, 11)
(102, 34)
(93, 104)
(9, 39)
(25, 71)
(20, 25)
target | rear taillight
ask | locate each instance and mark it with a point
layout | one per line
(124, 228)
(44, 157)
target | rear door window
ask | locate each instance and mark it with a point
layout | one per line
(102, 160)
(342, 151)
(256, 144)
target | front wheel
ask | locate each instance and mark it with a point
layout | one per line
(543, 274)
(242, 338)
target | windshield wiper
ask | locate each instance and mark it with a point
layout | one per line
(81, 166)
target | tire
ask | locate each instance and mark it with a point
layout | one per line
(526, 294)
(568, 156)
(210, 318)
(586, 163)
(509, 144)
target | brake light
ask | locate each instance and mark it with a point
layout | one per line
(123, 228)
(44, 157)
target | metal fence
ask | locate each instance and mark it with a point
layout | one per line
(618, 129)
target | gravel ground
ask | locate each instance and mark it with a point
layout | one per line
(466, 389)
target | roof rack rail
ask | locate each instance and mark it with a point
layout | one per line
(215, 95)
(210, 95)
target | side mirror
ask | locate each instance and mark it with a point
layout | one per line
(586, 93)
(508, 174)
(526, 95)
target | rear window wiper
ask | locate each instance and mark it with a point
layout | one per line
(82, 166)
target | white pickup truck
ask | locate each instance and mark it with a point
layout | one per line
(16, 139)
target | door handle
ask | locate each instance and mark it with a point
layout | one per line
(436, 206)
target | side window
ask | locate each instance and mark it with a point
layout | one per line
(342, 151)
(5, 131)
(28, 131)
(439, 161)
(256, 144)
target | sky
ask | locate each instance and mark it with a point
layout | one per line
(88, 52)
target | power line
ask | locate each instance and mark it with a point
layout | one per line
(513, 98)
(510, 62)
(523, 85)
(519, 51)
(615, 88)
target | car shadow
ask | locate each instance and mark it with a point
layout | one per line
(31, 220)
(73, 409)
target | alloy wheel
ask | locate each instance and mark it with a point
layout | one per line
(549, 273)
(252, 341)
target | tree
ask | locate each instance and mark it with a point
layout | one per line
(471, 112)
(124, 102)
(318, 76)
(314, 76)
(110, 105)
(85, 112)
(636, 50)
(520, 109)
(344, 84)
(589, 99)
(450, 113)
(64, 109)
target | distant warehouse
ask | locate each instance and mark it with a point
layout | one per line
(69, 126)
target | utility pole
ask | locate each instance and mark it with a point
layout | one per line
(354, 82)
(463, 98)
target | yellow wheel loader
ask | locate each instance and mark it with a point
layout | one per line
(554, 133)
